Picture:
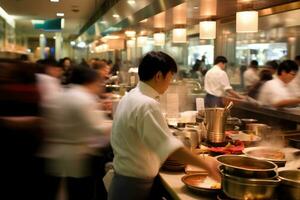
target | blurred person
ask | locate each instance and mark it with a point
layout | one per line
(21, 133)
(116, 67)
(74, 134)
(49, 81)
(66, 65)
(275, 92)
(294, 85)
(272, 66)
(251, 75)
(217, 85)
(141, 139)
(264, 76)
(195, 71)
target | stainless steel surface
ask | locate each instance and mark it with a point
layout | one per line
(189, 137)
(246, 167)
(245, 188)
(215, 120)
(290, 184)
(258, 129)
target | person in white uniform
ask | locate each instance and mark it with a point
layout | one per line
(251, 75)
(294, 85)
(275, 92)
(74, 128)
(217, 85)
(141, 139)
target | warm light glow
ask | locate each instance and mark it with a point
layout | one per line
(247, 22)
(60, 14)
(62, 23)
(131, 2)
(208, 7)
(130, 43)
(179, 35)
(130, 33)
(207, 30)
(144, 21)
(9, 19)
(142, 41)
(159, 20)
(54, 0)
(179, 14)
(116, 15)
(159, 39)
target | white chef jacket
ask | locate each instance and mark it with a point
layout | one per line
(73, 125)
(294, 85)
(216, 82)
(274, 91)
(250, 77)
(141, 139)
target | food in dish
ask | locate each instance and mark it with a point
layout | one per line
(267, 153)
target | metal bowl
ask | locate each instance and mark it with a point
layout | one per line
(246, 167)
(245, 188)
(290, 184)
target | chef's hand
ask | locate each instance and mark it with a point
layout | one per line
(213, 170)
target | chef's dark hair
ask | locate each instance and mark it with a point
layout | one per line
(154, 62)
(83, 75)
(220, 59)
(287, 66)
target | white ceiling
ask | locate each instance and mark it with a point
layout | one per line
(25, 10)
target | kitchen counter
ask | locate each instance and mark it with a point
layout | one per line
(176, 188)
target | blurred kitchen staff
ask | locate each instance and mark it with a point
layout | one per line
(276, 92)
(217, 85)
(141, 139)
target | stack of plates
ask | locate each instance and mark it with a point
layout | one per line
(173, 165)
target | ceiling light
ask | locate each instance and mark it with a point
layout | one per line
(142, 41)
(247, 22)
(208, 7)
(60, 14)
(62, 23)
(207, 30)
(116, 15)
(130, 43)
(131, 2)
(7, 17)
(34, 21)
(144, 21)
(54, 37)
(179, 35)
(72, 43)
(54, 1)
(196, 7)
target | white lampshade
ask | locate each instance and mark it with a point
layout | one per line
(130, 43)
(159, 39)
(179, 35)
(208, 7)
(207, 30)
(247, 22)
(142, 41)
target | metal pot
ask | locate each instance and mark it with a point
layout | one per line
(247, 167)
(258, 129)
(245, 188)
(232, 123)
(290, 184)
(245, 122)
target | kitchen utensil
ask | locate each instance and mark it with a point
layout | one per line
(272, 154)
(247, 188)
(246, 121)
(215, 120)
(290, 184)
(246, 167)
(259, 129)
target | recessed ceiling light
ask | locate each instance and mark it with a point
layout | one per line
(60, 14)
(54, 1)
(116, 15)
(196, 7)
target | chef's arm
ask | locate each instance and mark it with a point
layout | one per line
(287, 102)
(232, 93)
(208, 163)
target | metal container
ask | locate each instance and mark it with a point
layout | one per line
(246, 167)
(245, 122)
(232, 123)
(215, 120)
(290, 184)
(259, 129)
(245, 188)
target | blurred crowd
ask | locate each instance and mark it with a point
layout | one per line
(55, 128)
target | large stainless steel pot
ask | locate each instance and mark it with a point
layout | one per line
(245, 188)
(290, 184)
(259, 129)
(247, 167)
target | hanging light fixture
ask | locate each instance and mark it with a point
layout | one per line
(129, 33)
(247, 22)
(159, 20)
(179, 35)
(207, 30)
(142, 41)
(159, 39)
